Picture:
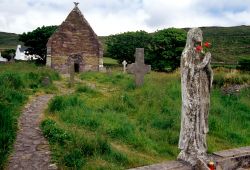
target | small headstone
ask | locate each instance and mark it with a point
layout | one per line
(46, 81)
(71, 75)
(12, 58)
(109, 71)
(124, 63)
(139, 69)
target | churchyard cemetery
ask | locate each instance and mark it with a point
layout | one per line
(176, 98)
(105, 122)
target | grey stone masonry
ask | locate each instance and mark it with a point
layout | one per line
(233, 159)
(139, 69)
(171, 165)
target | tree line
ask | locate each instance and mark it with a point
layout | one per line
(163, 48)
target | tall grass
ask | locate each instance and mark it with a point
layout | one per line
(227, 77)
(17, 82)
(141, 124)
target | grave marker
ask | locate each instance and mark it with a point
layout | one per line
(139, 69)
(124, 63)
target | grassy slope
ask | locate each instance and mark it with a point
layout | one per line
(17, 82)
(229, 43)
(8, 41)
(108, 124)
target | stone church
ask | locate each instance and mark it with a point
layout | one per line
(74, 44)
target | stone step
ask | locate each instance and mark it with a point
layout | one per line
(171, 165)
(233, 159)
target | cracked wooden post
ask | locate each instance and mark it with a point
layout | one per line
(196, 82)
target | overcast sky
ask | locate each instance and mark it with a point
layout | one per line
(115, 16)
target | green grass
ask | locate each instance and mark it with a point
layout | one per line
(226, 77)
(136, 126)
(109, 61)
(17, 82)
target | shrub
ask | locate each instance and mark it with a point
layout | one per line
(162, 48)
(11, 80)
(230, 78)
(54, 133)
(244, 64)
(122, 46)
(74, 159)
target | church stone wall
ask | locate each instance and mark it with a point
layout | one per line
(74, 36)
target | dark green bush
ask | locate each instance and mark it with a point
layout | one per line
(163, 48)
(11, 80)
(244, 64)
(74, 159)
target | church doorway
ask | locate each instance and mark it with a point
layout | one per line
(76, 67)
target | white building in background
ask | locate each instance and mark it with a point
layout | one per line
(20, 54)
(2, 59)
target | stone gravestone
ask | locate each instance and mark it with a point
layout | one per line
(46, 81)
(12, 58)
(139, 69)
(124, 63)
(196, 83)
(109, 71)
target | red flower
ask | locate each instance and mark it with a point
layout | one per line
(198, 48)
(207, 44)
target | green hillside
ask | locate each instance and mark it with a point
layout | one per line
(228, 43)
(8, 41)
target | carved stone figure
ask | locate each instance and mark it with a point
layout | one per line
(196, 83)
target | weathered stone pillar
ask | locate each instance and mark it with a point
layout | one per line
(196, 82)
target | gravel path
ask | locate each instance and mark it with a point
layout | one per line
(31, 150)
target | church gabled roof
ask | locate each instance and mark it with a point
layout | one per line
(74, 35)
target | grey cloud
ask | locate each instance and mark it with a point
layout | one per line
(114, 16)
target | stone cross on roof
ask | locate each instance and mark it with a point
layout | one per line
(139, 69)
(76, 3)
